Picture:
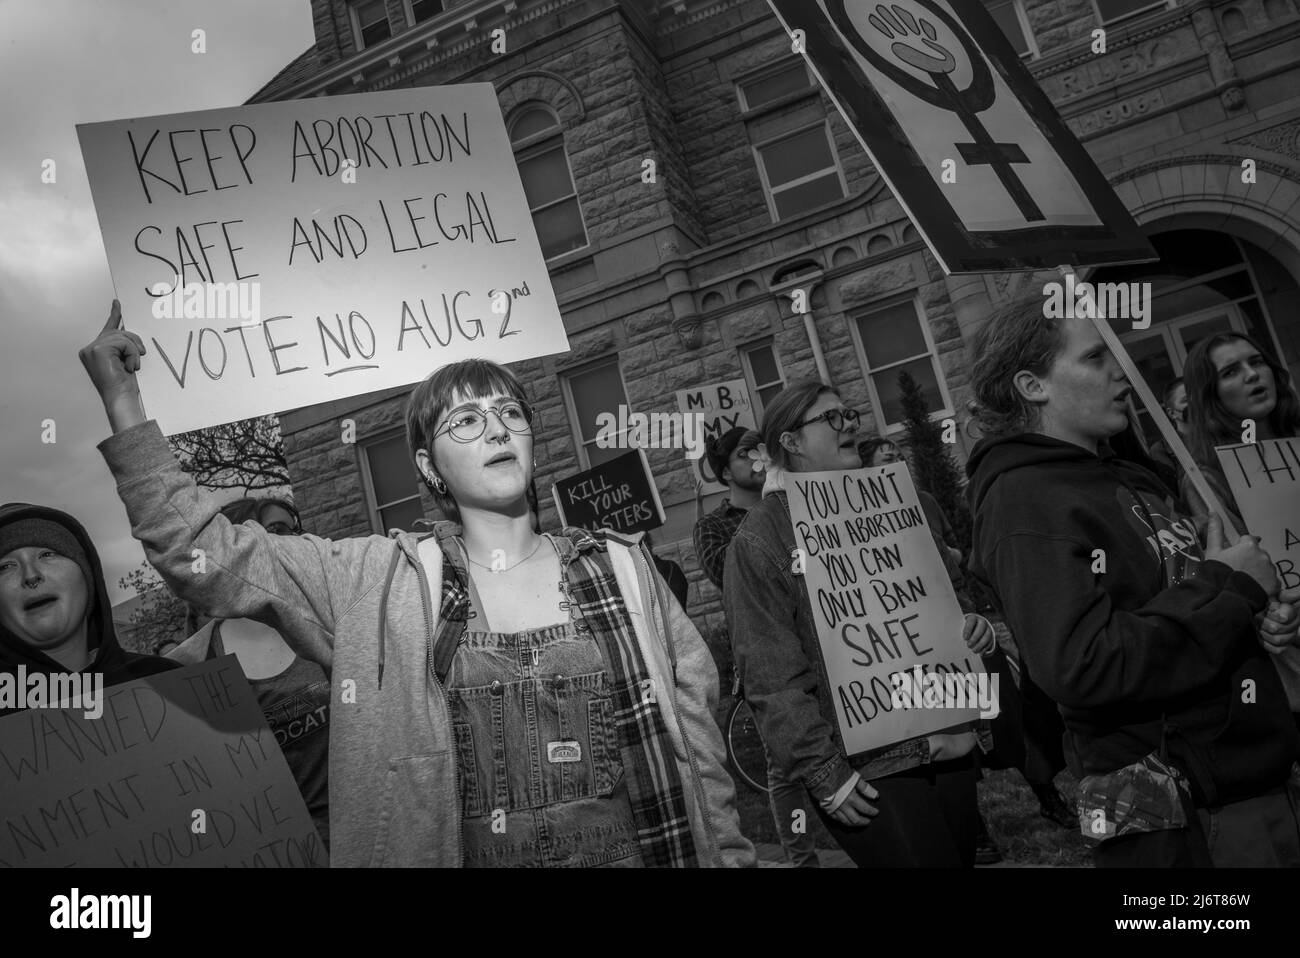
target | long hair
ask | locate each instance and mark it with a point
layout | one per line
(1016, 336)
(1208, 420)
(435, 394)
(789, 407)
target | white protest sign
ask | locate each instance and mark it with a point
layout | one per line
(724, 406)
(887, 617)
(1265, 480)
(283, 254)
(958, 127)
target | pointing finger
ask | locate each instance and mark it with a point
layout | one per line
(114, 317)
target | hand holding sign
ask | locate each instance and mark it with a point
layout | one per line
(111, 362)
(1246, 556)
(1279, 626)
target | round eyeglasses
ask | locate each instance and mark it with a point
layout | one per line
(282, 529)
(837, 419)
(467, 423)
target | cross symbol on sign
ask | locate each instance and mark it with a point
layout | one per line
(985, 152)
(899, 24)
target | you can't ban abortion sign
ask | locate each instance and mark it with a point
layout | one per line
(283, 254)
(882, 602)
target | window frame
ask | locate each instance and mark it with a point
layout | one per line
(756, 147)
(409, 10)
(1033, 53)
(368, 484)
(536, 145)
(751, 379)
(571, 409)
(355, 18)
(1149, 8)
(877, 407)
(756, 76)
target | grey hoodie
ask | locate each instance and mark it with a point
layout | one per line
(394, 797)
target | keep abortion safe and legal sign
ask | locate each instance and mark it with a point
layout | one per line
(278, 255)
(961, 132)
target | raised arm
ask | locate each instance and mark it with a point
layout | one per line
(295, 584)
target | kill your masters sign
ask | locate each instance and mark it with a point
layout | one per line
(966, 140)
(888, 622)
(278, 255)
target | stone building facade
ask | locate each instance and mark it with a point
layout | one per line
(760, 189)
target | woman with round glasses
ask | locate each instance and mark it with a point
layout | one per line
(908, 805)
(500, 697)
(293, 692)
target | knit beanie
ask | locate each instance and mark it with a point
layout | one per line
(36, 532)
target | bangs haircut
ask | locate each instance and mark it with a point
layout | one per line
(443, 390)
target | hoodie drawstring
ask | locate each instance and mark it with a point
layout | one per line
(383, 611)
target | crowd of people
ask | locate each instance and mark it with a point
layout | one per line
(531, 698)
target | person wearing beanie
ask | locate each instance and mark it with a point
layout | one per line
(55, 616)
(728, 457)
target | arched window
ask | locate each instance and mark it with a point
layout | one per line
(538, 142)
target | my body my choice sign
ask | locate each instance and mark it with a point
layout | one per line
(284, 254)
(882, 602)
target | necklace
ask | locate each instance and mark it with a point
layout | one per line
(493, 568)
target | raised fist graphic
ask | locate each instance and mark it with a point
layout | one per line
(897, 22)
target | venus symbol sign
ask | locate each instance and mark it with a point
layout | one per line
(919, 46)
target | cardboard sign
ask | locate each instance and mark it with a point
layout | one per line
(179, 770)
(1265, 480)
(723, 406)
(283, 254)
(619, 494)
(967, 142)
(883, 603)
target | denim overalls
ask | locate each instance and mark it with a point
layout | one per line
(541, 774)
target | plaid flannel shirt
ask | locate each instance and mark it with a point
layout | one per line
(713, 533)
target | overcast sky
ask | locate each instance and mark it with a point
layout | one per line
(66, 62)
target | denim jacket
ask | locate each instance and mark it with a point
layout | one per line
(778, 657)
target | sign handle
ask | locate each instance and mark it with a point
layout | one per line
(1158, 415)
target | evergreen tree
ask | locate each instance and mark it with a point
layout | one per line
(932, 464)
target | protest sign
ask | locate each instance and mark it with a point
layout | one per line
(1265, 480)
(886, 614)
(283, 254)
(179, 770)
(961, 132)
(723, 406)
(618, 494)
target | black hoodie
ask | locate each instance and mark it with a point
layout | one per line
(109, 658)
(1161, 634)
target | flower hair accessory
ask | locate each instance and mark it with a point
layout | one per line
(759, 458)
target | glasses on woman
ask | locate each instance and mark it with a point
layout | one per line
(466, 423)
(837, 419)
(282, 529)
